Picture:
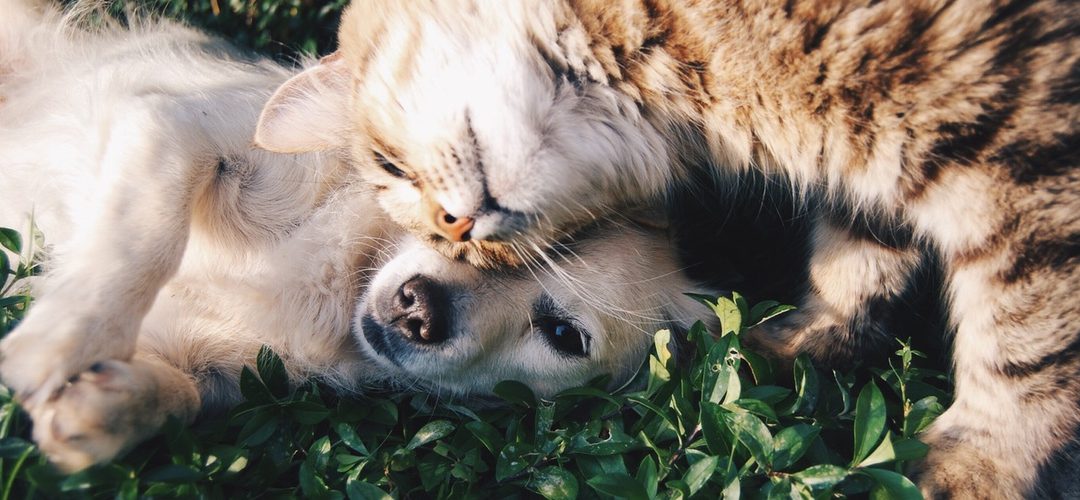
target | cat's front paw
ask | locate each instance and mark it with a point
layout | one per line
(97, 415)
(957, 471)
(51, 346)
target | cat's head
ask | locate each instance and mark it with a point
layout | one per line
(488, 128)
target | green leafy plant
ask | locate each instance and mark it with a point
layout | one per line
(283, 28)
(721, 421)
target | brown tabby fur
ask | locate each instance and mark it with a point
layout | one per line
(968, 111)
(944, 129)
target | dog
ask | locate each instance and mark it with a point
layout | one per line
(177, 250)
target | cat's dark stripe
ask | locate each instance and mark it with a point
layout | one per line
(1066, 357)
(1030, 162)
(1039, 254)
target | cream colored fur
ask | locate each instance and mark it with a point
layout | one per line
(176, 250)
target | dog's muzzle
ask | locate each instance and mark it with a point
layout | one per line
(421, 321)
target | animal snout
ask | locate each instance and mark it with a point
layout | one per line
(420, 308)
(453, 228)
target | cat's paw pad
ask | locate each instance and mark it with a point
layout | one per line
(95, 416)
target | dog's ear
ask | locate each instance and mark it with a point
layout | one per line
(653, 217)
(308, 112)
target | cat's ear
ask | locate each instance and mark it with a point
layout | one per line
(308, 112)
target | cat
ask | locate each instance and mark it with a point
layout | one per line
(926, 129)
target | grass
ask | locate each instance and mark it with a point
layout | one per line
(726, 422)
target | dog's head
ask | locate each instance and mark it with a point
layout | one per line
(588, 309)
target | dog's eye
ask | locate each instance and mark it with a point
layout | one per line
(389, 167)
(565, 338)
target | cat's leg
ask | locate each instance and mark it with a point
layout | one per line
(109, 408)
(1017, 363)
(855, 278)
(1012, 276)
(129, 241)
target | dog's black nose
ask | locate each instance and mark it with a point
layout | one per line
(419, 310)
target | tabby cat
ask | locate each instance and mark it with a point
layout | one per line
(928, 129)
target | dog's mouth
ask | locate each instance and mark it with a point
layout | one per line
(376, 336)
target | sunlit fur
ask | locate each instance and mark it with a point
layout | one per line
(943, 128)
(176, 250)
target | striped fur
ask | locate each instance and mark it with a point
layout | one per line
(944, 128)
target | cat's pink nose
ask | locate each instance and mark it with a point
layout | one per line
(453, 228)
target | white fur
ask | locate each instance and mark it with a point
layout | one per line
(177, 250)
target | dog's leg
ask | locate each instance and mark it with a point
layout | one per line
(854, 278)
(109, 408)
(128, 244)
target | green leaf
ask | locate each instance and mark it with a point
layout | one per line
(615, 444)
(806, 387)
(591, 392)
(647, 475)
(909, 449)
(172, 473)
(433, 470)
(515, 393)
(764, 311)
(253, 388)
(13, 447)
(437, 429)
(790, 444)
(923, 413)
(760, 367)
(715, 428)
(756, 407)
(730, 317)
(752, 433)
(513, 459)
(821, 478)
(869, 421)
(770, 394)
(554, 483)
(307, 412)
(312, 484)
(758, 311)
(257, 430)
(360, 490)
(486, 434)
(351, 439)
(717, 373)
(780, 489)
(272, 372)
(699, 473)
(891, 486)
(658, 375)
(618, 486)
(660, 341)
(883, 453)
(11, 240)
(5, 267)
(706, 300)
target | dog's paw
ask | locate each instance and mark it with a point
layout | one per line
(51, 346)
(97, 415)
